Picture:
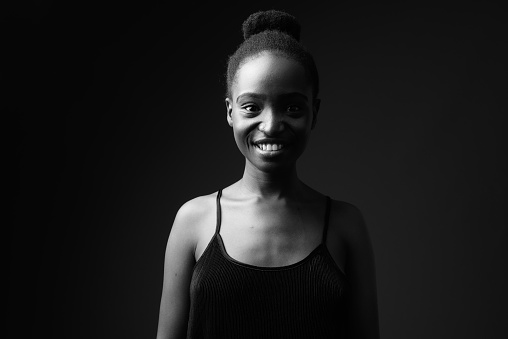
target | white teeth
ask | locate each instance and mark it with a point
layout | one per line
(269, 147)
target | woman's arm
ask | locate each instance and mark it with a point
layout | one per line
(178, 264)
(361, 273)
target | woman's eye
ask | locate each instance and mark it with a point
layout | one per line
(251, 108)
(294, 110)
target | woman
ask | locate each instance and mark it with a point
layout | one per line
(268, 256)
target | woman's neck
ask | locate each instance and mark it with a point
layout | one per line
(271, 185)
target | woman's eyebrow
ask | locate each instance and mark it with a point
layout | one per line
(281, 96)
(251, 95)
(293, 95)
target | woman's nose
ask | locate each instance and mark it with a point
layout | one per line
(271, 123)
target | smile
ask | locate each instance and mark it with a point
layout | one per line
(270, 147)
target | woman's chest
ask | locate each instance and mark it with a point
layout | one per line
(271, 237)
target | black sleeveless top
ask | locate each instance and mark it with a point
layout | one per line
(230, 299)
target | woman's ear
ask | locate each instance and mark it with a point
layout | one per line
(315, 110)
(229, 110)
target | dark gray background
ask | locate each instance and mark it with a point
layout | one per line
(121, 119)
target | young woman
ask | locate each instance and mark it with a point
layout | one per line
(268, 256)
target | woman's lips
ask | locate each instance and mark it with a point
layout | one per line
(269, 147)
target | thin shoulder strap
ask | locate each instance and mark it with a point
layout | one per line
(217, 229)
(327, 217)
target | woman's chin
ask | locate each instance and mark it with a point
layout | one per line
(273, 167)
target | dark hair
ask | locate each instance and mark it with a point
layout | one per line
(277, 32)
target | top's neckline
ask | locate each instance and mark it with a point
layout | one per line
(267, 268)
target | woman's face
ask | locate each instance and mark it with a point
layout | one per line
(272, 111)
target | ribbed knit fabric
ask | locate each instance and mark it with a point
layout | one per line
(230, 299)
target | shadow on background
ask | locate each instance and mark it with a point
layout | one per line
(121, 119)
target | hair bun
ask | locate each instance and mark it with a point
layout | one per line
(271, 20)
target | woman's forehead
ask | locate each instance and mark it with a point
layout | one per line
(283, 96)
(269, 74)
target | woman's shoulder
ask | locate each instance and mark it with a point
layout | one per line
(347, 225)
(346, 219)
(194, 214)
(343, 209)
(197, 206)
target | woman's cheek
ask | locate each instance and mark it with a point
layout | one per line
(241, 137)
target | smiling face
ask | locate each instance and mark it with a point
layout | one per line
(272, 111)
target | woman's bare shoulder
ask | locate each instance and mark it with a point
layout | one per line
(193, 214)
(347, 219)
(196, 207)
(343, 209)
